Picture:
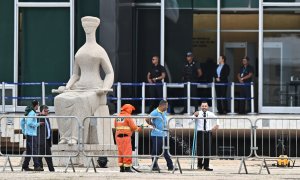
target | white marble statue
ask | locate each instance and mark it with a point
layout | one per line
(85, 93)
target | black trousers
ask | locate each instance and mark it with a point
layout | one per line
(31, 149)
(155, 92)
(203, 147)
(245, 105)
(157, 147)
(45, 149)
(222, 105)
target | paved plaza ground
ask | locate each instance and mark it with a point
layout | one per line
(223, 169)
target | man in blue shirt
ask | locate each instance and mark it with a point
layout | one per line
(158, 135)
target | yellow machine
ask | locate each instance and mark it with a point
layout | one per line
(283, 161)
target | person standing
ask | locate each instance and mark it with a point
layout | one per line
(221, 76)
(156, 75)
(205, 127)
(124, 127)
(191, 73)
(245, 77)
(29, 128)
(45, 138)
(158, 135)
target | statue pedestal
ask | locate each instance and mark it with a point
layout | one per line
(81, 160)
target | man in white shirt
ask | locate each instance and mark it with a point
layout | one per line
(205, 127)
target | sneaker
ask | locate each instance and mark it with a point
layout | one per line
(38, 169)
(128, 169)
(208, 169)
(27, 169)
(171, 169)
(122, 169)
(155, 169)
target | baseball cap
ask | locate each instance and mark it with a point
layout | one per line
(189, 54)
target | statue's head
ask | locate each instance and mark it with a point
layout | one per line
(90, 24)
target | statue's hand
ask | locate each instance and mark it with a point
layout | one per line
(60, 89)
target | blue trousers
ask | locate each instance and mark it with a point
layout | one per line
(157, 147)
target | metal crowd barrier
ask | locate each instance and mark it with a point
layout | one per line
(106, 141)
(230, 141)
(143, 97)
(13, 143)
(277, 136)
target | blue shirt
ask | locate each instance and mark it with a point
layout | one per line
(159, 123)
(219, 70)
(29, 125)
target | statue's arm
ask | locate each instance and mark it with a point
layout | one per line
(109, 72)
(75, 76)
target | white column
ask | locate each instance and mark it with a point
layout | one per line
(218, 29)
(188, 97)
(119, 97)
(162, 32)
(43, 93)
(232, 100)
(260, 54)
(143, 97)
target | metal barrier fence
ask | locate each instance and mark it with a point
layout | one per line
(37, 141)
(275, 137)
(107, 147)
(236, 138)
(187, 96)
(229, 141)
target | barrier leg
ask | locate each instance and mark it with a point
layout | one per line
(243, 163)
(179, 166)
(89, 164)
(152, 165)
(263, 162)
(7, 160)
(70, 161)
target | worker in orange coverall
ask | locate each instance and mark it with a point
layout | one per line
(124, 127)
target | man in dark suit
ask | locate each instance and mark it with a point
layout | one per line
(221, 76)
(45, 138)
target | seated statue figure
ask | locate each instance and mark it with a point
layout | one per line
(85, 93)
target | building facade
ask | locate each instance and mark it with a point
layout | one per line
(38, 39)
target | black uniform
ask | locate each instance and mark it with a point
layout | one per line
(45, 142)
(156, 91)
(190, 74)
(245, 90)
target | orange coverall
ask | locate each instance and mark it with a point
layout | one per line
(124, 127)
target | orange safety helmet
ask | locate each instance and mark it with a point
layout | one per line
(128, 108)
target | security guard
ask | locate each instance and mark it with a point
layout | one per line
(124, 127)
(156, 75)
(191, 73)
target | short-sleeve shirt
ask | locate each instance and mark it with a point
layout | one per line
(156, 71)
(190, 73)
(159, 124)
(244, 71)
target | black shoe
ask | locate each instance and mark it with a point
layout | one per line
(128, 169)
(171, 169)
(122, 169)
(38, 169)
(199, 167)
(208, 169)
(27, 169)
(155, 169)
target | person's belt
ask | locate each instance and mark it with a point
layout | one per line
(122, 135)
